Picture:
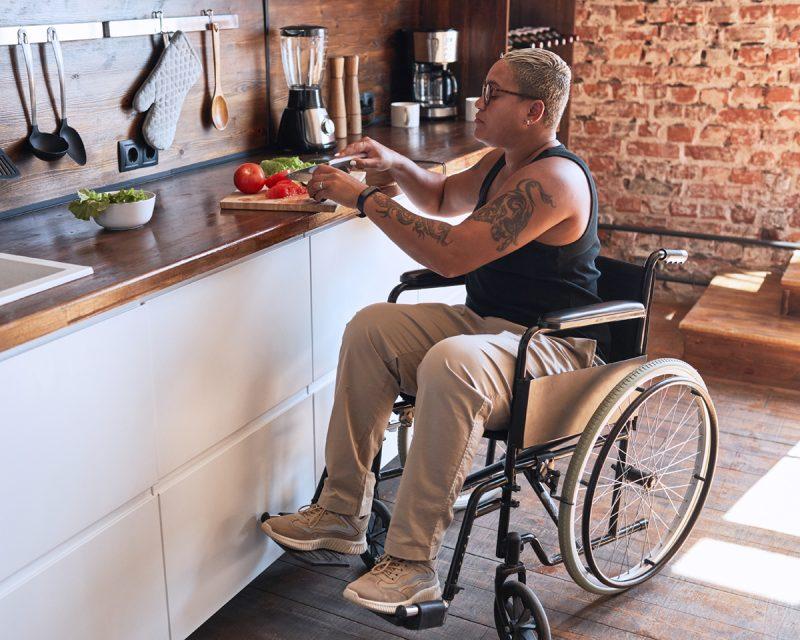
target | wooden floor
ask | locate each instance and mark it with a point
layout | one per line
(736, 578)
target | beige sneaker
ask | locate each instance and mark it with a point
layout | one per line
(394, 582)
(314, 527)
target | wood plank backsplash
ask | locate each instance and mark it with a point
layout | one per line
(368, 28)
(103, 75)
(102, 78)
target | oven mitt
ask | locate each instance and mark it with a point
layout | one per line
(165, 90)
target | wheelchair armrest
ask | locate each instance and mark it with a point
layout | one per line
(592, 314)
(427, 279)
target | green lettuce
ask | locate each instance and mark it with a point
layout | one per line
(92, 203)
(274, 165)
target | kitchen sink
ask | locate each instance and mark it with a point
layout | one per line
(21, 276)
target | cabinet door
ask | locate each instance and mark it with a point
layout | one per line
(112, 586)
(229, 347)
(323, 405)
(352, 265)
(78, 436)
(213, 543)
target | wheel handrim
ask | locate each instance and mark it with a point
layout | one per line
(377, 529)
(661, 458)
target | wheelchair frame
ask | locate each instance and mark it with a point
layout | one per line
(534, 463)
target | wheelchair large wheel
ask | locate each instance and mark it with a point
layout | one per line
(376, 533)
(518, 614)
(638, 478)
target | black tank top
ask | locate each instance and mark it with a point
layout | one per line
(538, 278)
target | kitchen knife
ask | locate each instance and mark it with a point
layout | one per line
(304, 175)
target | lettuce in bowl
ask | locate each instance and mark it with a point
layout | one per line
(91, 204)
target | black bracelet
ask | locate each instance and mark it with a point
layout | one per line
(362, 198)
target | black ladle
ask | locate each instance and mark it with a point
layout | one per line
(47, 146)
(75, 148)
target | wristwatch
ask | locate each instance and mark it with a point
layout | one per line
(362, 198)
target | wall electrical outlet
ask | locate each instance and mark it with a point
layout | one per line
(135, 154)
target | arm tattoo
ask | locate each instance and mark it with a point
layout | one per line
(510, 213)
(386, 208)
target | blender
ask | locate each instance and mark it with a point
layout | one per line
(305, 125)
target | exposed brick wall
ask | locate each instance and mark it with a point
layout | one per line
(689, 116)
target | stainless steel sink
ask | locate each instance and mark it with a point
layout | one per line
(21, 276)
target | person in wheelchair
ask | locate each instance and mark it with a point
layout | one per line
(528, 248)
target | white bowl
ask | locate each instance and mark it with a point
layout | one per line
(127, 215)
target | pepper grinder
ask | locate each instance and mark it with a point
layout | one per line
(336, 100)
(351, 95)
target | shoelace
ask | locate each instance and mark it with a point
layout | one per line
(311, 513)
(392, 567)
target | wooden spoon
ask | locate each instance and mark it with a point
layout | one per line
(219, 105)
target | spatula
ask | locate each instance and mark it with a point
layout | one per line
(8, 170)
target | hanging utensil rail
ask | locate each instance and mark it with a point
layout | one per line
(38, 32)
(117, 28)
(155, 26)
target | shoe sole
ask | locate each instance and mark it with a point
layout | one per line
(331, 544)
(431, 593)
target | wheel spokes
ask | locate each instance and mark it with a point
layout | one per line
(655, 483)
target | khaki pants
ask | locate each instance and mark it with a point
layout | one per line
(460, 367)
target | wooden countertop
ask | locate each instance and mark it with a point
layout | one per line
(187, 236)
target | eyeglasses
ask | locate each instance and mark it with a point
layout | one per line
(488, 90)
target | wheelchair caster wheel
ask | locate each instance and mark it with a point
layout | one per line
(376, 533)
(518, 614)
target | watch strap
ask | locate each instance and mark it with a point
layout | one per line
(362, 198)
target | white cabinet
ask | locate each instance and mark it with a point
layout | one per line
(112, 586)
(78, 437)
(353, 264)
(323, 405)
(447, 295)
(213, 544)
(229, 347)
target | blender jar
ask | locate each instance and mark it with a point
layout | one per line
(303, 55)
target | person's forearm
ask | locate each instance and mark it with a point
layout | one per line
(421, 238)
(424, 188)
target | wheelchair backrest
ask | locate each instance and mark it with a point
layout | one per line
(626, 281)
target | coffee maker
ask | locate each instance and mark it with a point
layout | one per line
(305, 126)
(435, 86)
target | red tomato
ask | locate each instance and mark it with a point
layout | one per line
(249, 178)
(275, 178)
(286, 188)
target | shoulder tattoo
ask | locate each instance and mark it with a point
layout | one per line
(424, 227)
(510, 213)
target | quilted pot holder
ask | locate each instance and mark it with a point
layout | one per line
(165, 89)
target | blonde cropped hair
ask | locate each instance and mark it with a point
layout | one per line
(543, 75)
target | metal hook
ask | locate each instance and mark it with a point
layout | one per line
(210, 14)
(160, 16)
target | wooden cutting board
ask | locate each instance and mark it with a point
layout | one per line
(258, 201)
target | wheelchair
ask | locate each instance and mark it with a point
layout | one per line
(639, 438)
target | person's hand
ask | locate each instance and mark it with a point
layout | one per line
(330, 183)
(376, 156)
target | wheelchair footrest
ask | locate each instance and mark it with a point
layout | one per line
(319, 557)
(422, 615)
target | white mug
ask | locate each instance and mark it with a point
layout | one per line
(405, 114)
(470, 110)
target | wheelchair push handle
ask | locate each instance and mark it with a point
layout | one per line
(673, 256)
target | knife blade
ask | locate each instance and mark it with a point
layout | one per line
(304, 175)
